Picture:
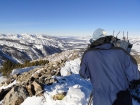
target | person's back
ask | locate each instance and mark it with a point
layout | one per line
(110, 71)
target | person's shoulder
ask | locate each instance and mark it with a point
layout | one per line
(126, 54)
(121, 50)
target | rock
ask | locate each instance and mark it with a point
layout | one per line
(48, 71)
(49, 68)
(30, 89)
(32, 79)
(3, 92)
(15, 96)
(43, 71)
(7, 82)
(57, 73)
(53, 80)
(43, 78)
(59, 96)
(53, 72)
(36, 75)
(15, 75)
(46, 81)
(59, 61)
(1, 84)
(38, 87)
(47, 75)
(23, 78)
(19, 101)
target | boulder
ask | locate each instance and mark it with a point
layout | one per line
(7, 82)
(15, 76)
(30, 89)
(46, 81)
(38, 88)
(59, 96)
(52, 80)
(15, 96)
(3, 92)
(36, 75)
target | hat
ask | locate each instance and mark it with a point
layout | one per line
(98, 33)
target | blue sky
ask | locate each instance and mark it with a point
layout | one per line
(69, 17)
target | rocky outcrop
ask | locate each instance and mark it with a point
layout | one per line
(38, 88)
(63, 56)
(15, 96)
(32, 82)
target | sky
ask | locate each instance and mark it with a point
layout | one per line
(69, 17)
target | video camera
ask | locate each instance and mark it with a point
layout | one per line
(124, 43)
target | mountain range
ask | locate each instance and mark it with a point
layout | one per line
(21, 47)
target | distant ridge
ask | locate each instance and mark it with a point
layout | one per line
(19, 48)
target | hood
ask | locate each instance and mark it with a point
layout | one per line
(104, 46)
(101, 41)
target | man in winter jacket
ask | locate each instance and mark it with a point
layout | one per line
(110, 71)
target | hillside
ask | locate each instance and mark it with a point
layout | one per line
(19, 48)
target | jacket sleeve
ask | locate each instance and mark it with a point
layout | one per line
(131, 67)
(84, 71)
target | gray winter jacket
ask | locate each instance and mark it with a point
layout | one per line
(110, 71)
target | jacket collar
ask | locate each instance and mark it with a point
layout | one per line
(104, 46)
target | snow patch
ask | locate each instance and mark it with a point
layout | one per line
(71, 67)
(22, 70)
(2, 78)
(38, 46)
(4, 87)
(33, 101)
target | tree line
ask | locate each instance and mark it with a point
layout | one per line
(8, 66)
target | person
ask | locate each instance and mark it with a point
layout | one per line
(110, 69)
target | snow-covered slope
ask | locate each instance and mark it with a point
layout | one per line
(75, 42)
(18, 48)
(136, 43)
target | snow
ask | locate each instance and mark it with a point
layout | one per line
(26, 69)
(38, 46)
(136, 43)
(136, 48)
(2, 78)
(71, 67)
(4, 87)
(33, 101)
